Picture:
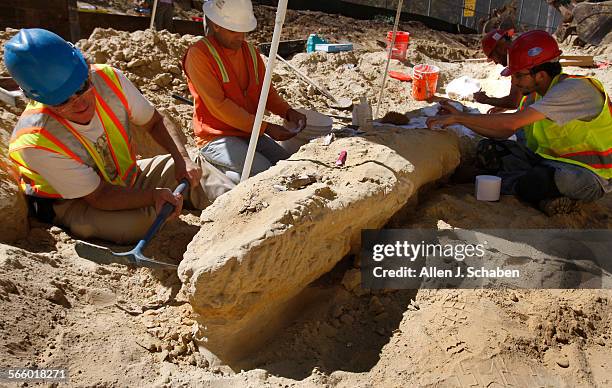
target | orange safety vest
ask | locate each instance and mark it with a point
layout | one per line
(206, 126)
(113, 159)
(584, 143)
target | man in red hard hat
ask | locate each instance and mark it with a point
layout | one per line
(495, 45)
(567, 153)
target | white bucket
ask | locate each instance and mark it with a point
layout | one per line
(488, 187)
(317, 125)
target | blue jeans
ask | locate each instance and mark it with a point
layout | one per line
(228, 154)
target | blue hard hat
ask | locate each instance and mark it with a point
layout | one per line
(47, 68)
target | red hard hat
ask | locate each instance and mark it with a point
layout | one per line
(489, 41)
(531, 49)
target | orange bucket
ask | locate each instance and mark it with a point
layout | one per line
(399, 49)
(424, 81)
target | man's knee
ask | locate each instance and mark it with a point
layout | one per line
(260, 164)
(121, 227)
(578, 183)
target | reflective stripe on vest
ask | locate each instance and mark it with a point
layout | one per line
(112, 156)
(215, 54)
(223, 70)
(255, 63)
(586, 144)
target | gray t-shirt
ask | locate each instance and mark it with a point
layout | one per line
(573, 99)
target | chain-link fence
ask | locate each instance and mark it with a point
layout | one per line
(526, 15)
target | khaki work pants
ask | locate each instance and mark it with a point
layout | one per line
(128, 226)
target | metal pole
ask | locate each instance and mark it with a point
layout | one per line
(153, 14)
(429, 8)
(550, 18)
(281, 10)
(462, 12)
(389, 50)
(518, 22)
(489, 11)
(539, 9)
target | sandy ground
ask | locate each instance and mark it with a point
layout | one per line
(116, 326)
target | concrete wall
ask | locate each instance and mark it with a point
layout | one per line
(444, 15)
(364, 9)
(59, 16)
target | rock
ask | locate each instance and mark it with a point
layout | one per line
(174, 69)
(164, 355)
(242, 269)
(13, 206)
(201, 361)
(375, 306)
(514, 298)
(383, 317)
(337, 312)
(136, 63)
(563, 362)
(57, 296)
(100, 57)
(163, 79)
(155, 66)
(8, 286)
(352, 280)
(127, 54)
(347, 319)
(55, 230)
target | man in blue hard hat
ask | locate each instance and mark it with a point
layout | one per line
(73, 144)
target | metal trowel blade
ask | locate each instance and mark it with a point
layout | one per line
(100, 254)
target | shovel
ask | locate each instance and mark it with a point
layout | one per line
(103, 255)
(342, 103)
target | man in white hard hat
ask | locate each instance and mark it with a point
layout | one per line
(225, 76)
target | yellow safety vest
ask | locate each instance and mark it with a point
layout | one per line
(112, 156)
(584, 143)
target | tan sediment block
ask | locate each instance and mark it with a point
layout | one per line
(267, 239)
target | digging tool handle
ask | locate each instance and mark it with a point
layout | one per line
(166, 210)
(183, 99)
(307, 79)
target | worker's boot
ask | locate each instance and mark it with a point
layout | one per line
(560, 205)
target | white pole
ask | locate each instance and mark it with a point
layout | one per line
(384, 79)
(153, 11)
(550, 19)
(281, 10)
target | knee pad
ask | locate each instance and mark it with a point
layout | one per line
(537, 184)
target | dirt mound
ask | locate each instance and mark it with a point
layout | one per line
(152, 61)
(13, 207)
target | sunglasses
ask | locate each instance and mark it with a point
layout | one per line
(82, 90)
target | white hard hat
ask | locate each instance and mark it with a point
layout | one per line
(233, 15)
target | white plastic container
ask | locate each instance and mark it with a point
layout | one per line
(362, 114)
(488, 187)
(317, 125)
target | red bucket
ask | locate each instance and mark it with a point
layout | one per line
(401, 44)
(424, 81)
